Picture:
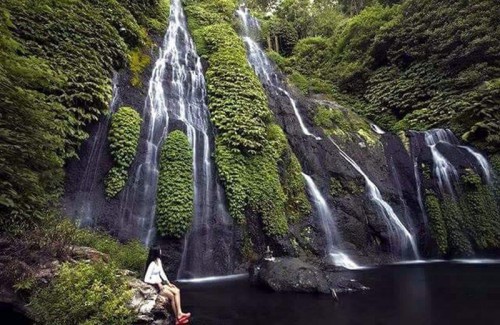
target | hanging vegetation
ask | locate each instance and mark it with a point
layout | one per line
(123, 141)
(174, 209)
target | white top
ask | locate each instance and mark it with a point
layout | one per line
(155, 273)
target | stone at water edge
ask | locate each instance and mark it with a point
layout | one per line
(294, 275)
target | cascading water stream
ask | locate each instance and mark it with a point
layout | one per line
(262, 65)
(395, 227)
(84, 202)
(269, 78)
(177, 93)
(446, 173)
(482, 161)
(418, 186)
(329, 227)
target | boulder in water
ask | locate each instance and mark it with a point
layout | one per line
(294, 275)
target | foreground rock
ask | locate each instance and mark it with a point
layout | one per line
(294, 275)
(150, 306)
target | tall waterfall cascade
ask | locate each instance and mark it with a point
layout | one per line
(396, 228)
(269, 78)
(177, 96)
(329, 227)
(86, 198)
(262, 65)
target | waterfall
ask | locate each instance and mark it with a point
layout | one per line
(482, 161)
(177, 98)
(263, 67)
(376, 129)
(268, 76)
(328, 226)
(446, 173)
(85, 201)
(418, 186)
(395, 227)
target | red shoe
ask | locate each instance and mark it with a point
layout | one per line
(183, 319)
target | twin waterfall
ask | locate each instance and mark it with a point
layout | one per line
(177, 99)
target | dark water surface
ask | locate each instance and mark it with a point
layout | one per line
(435, 293)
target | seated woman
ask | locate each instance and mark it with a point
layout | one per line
(155, 276)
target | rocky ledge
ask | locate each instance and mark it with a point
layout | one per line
(294, 275)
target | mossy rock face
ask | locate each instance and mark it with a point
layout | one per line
(468, 223)
(58, 57)
(175, 186)
(437, 224)
(256, 166)
(345, 124)
(123, 141)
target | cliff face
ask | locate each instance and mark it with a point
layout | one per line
(379, 186)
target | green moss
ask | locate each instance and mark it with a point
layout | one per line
(338, 188)
(175, 186)
(437, 224)
(139, 61)
(250, 148)
(345, 124)
(297, 203)
(83, 293)
(458, 243)
(123, 141)
(481, 211)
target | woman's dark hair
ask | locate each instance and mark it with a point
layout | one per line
(154, 253)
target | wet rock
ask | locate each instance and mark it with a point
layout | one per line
(295, 275)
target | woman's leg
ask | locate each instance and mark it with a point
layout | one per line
(171, 297)
(177, 297)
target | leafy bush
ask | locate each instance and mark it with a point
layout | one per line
(131, 256)
(123, 141)
(81, 293)
(175, 186)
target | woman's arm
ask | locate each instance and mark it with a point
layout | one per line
(149, 272)
(163, 275)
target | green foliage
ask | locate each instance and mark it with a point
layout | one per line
(339, 188)
(437, 224)
(458, 243)
(138, 62)
(57, 59)
(344, 124)
(238, 105)
(252, 154)
(297, 204)
(282, 35)
(253, 187)
(81, 293)
(130, 256)
(175, 186)
(481, 212)
(123, 141)
(414, 65)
